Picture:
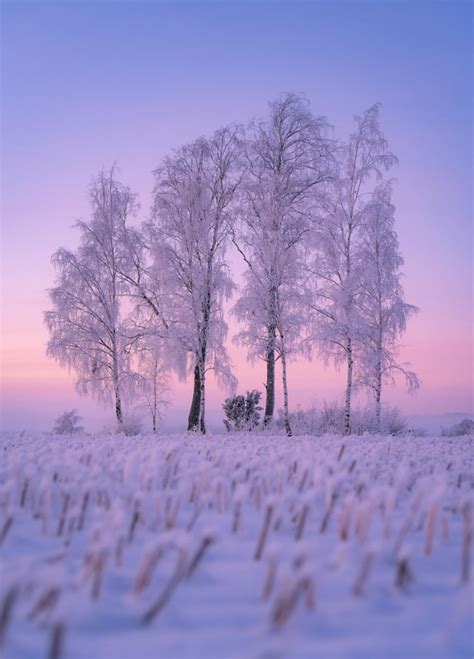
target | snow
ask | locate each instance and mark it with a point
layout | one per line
(149, 547)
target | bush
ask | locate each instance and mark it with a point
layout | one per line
(242, 412)
(68, 423)
(330, 420)
(464, 427)
(132, 425)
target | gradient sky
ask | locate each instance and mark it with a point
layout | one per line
(85, 84)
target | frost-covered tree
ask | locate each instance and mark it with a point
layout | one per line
(242, 412)
(88, 334)
(338, 265)
(155, 376)
(384, 310)
(188, 235)
(287, 157)
(68, 423)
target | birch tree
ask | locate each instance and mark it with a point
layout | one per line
(287, 159)
(338, 264)
(383, 306)
(188, 236)
(88, 334)
(155, 377)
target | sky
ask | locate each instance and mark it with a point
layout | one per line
(86, 84)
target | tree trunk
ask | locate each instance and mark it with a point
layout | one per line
(378, 366)
(286, 415)
(378, 395)
(347, 404)
(270, 382)
(202, 410)
(118, 408)
(377, 409)
(193, 418)
(115, 376)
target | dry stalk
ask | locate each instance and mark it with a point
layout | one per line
(301, 522)
(56, 644)
(45, 602)
(146, 570)
(6, 528)
(303, 481)
(345, 522)
(166, 593)
(430, 527)
(24, 492)
(403, 574)
(237, 514)
(82, 514)
(206, 542)
(119, 551)
(133, 524)
(193, 519)
(328, 513)
(98, 572)
(6, 610)
(263, 533)
(62, 519)
(272, 567)
(286, 603)
(467, 542)
(406, 526)
(363, 573)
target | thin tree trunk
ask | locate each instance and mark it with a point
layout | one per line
(378, 366)
(203, 332)
(377, 407)
(286, 414)
(115, 376)
(202, 410)
(118, 407)
(155, 397)
(270, 381)
(193, 418)
(378, 393)
(347, 403)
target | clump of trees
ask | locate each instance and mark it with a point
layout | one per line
(313, 222)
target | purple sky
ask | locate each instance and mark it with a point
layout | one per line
(85, 84)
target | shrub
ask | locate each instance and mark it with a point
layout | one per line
(464, 427)
(132, 425)
(68, 423)
(242, 412)
(330, 420)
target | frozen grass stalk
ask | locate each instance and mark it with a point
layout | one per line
(264, 533)
(363, 575)
(6, 611)
(56, 644)
(206, 542)
(467, 542)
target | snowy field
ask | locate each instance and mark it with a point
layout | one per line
(235, 547)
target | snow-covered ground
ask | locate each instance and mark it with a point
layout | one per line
(235, 546)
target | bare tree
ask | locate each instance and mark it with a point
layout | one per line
(338, 266)
(155, 377)
(87, 332)
(385, 312)
(188, 235)
(288, 156)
